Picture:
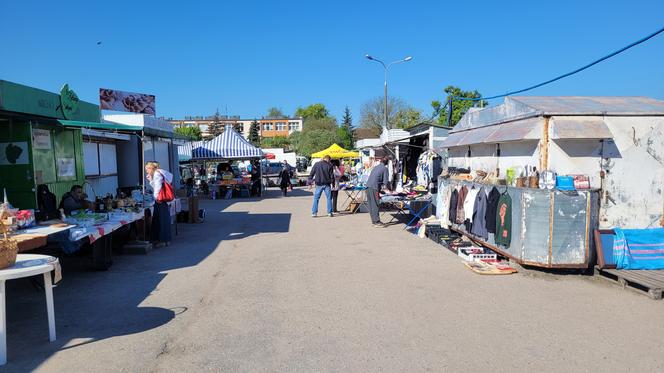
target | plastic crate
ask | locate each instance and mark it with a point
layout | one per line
(435, 232)
(473, 257)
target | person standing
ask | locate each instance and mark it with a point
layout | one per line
(160, 229)
(335, 184)
(322, 174)
(285, 178)
(378, 178)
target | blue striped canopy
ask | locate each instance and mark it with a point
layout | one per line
(228, 145)
(184, 151)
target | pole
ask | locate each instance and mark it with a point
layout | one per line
(385, 108)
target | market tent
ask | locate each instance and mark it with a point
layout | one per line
(335, 151)
(184, 151)
(228, 145)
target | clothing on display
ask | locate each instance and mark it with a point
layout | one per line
(444, 195)
(454, 198)
(504, 220)
(491, 208)
(469, 203)
(479, 214)
(425, 167)
(460, 216)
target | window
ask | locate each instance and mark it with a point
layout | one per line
(293, 126)
(281, 126)
(268, 126)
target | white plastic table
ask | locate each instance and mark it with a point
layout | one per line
(27, 265)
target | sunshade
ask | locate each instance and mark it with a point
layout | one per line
(335, 151)
(228, 145)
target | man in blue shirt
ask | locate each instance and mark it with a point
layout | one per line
(379, 177)
(322, 174)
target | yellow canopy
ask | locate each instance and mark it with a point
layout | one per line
(335, 151)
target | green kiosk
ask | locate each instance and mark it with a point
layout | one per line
(35, 146)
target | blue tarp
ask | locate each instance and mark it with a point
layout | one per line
(639, 248)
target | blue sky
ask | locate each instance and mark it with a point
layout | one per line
(247, 56)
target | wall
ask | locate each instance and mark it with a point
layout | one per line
(484, 156)
(17, 179)
(129, 162)
(634, 163)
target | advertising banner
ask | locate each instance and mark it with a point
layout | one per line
(110, 99)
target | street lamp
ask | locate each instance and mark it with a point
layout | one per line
(370, 58)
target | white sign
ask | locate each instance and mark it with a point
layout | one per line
(66, 167)
(41, 139)
(12, 153)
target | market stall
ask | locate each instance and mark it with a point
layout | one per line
(228, 146)
(563, 167)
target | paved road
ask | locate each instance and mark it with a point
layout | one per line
(261, 286)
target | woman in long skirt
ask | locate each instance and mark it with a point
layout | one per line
(160, 230)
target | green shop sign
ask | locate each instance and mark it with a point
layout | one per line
(23, 99)
(68, 102)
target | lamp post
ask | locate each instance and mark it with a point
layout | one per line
(386, 67)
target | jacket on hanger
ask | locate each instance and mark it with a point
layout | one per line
(479, 215)
(491, 207)
(460, 216)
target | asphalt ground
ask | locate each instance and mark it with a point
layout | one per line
(262, 286)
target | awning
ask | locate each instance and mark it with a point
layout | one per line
(228, 145)
(520, 130)
(580, 128)
(453, 139)
(336, 152)
(477, 136)
(97, 125)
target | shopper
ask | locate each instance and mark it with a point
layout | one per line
(161, 217)
(378, 178)
(335, 183)
(255, 179)
(285, 178)
(322, 175)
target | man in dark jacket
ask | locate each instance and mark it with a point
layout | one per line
(379, 177)
(322, 174)
(73, 200)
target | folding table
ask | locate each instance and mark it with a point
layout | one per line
(353, 196)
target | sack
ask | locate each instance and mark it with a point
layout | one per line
(166, 193)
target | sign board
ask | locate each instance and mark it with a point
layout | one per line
(110, 99)
(66, 167)
(13, 153)
(68, 102)
(41, 139)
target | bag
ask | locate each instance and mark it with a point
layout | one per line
(166, 193)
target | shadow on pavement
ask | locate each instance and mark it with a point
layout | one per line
(92, 306)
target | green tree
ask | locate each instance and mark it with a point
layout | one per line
(193, 132)
(254, 133)
(295, 139)
(216, 127)
(315, 140)
(313, 111)
(399, 114)
(275, 142)
(345, 131)
(459, 107)
(275, 113)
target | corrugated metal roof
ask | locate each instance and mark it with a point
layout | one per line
(521, 107)
(592, 105)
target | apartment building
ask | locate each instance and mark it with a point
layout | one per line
(268, 127)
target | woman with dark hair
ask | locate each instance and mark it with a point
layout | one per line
(160, 228)
(285, 178)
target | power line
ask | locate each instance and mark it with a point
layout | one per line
(569, 73)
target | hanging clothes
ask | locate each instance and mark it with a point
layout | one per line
(479, 215)
(491, 207)
(469, 203)
(504, 220)
(444, 195)
(460, 216)
(454, 200)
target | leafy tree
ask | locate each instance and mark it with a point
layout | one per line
(193, 132)
(459, 107)
(399, 114)
(216, 127)
(275, 142)
(254, 133)
(408, 118)
(315, 140)
(275, 113)
(313, 111)
(328, 124)
(295, 139)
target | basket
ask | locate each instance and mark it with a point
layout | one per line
(8, 249)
